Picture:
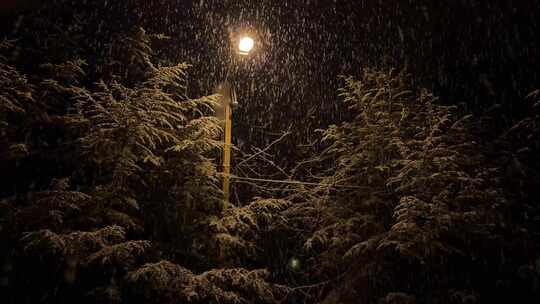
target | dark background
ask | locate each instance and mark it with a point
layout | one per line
(482, 53)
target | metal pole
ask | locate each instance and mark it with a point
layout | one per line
(228, 99)
(227, 153)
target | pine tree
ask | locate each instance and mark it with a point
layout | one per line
(109, 172)
(427, 207)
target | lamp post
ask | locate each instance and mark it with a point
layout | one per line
(228, 94)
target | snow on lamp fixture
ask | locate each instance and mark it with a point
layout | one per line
(246, 45)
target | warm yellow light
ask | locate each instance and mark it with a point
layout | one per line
(246, 45)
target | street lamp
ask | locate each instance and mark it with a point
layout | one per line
(246, 45)
(228, 94)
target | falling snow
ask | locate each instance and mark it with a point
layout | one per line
(384, 151)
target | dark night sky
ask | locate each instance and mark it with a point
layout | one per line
(481, 52)
(477, 52)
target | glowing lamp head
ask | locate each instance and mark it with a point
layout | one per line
(246, 45)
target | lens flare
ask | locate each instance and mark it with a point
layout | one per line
(295, 264)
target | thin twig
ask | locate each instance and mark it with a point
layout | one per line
(266, 148)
